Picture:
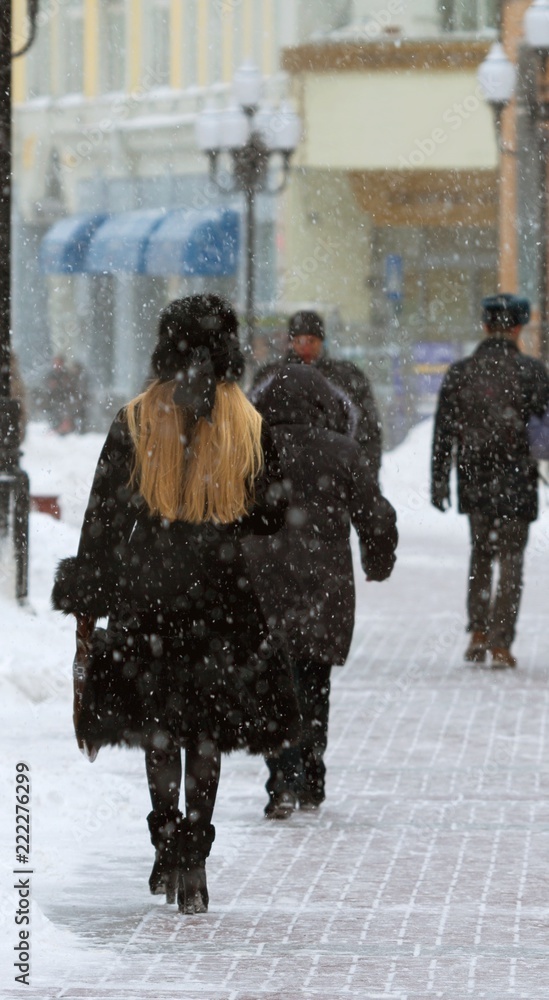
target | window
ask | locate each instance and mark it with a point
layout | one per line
(215, 29)
(445, 273)
(112, 45)
(190, 44)
(71, 48)
(247, 26)
(38, 61)
(159, 43)
(468, 15)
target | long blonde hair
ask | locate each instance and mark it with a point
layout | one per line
(195, 472)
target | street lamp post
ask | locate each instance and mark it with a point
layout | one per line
(14, 484)
(250, 136)
(497, 79)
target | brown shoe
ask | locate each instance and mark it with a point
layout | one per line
(502, 657)
(477, 648)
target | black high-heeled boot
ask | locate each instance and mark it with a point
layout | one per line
(195, 845)
(165, 830)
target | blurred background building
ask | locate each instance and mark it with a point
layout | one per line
(388, 224)
(399, 180)
(523, 235)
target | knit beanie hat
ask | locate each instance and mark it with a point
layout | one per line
(307, 321)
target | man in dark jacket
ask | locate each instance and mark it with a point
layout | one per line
(484, 406)
(306, 334)
(304, 574)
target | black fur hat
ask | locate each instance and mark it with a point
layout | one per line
(505, 311)
(195, 330)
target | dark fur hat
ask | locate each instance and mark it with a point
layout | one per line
(307, 321)
(505, 311)
(198, 326)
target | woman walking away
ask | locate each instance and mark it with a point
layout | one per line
(186, 661)
(304, 574)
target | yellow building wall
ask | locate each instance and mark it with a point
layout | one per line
(327, 245)
(19, 35)
(406, 120)
(91, 48)
(239, 19)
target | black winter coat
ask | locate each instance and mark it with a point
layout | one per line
(484, 405)
(346, 376)
(304, 574)
(187, 653)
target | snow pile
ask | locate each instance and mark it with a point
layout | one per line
(38, 645)
(52, 946)
(406, 482)
(62, 467)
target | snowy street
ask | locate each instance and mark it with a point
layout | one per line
(423, 875)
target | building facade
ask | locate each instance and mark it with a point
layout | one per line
(104, 113)
(397, 186)
(521, 164)
(389, 221)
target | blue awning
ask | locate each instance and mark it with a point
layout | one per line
(64, 247)
(194, 242)
(120, 244)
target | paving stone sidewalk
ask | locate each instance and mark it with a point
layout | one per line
(424, 874)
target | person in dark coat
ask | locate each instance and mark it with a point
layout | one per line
(187, 661)
(80, 397)
(483, 409)
(306, 346)
(304, 574)
(57, 396)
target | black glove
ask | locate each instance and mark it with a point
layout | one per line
(380, 570)
(378, 576)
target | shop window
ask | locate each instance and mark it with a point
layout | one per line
(447, 304)
(445, 273)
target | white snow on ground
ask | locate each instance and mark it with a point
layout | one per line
(95, 930)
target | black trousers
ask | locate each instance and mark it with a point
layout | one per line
(301, 769)
(164, 775)
(495, 611)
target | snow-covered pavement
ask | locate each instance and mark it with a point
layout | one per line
(423, 875)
